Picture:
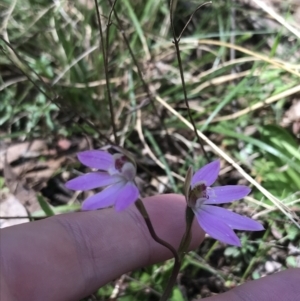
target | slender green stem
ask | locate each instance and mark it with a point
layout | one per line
(176, 43)
(187, 237)
(261, 248)
(210, 251)
(105, 58)
(139, 71)
(171, 282)
(184, 244)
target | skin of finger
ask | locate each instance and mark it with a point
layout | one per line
(283, 286)
(70, 256)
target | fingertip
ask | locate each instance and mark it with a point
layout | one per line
(277, 287)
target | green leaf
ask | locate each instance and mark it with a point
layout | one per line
(232, 252)
(291, 262)
(255, 275)
(177, 295)
(223, 103)
(45, 206)
(292, 231)
(162, 159)
(262, 145)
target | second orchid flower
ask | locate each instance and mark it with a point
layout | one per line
(216, 221)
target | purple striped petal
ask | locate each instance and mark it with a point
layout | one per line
(226, 194)
(207, 173)
(92, 180)
(127, 195)
(96, 159)
(216, 228)
(233, 220)
(103, 199)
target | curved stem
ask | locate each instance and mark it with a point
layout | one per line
(190, 19)
(177, 264)
(140, 206)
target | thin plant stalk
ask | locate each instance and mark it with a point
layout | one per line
(177, 264)
(176, 43)
(140, 206)
(186, 239)
(183, 247)
(105, 58)
(139, 71)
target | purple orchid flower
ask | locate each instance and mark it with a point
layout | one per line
(216, 221)
(116, 173)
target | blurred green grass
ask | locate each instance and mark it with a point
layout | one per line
(60, 42)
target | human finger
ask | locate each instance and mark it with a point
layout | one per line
(278, 287)
(69, 256)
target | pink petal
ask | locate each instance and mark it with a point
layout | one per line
(92, 180)
(103, 199)
(127, 195)
(216, 228)
(96, 159)
(226, 194)
(208, 173)
(233, 220)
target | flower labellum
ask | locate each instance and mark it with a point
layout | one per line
(115, 172)
(216, 221)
